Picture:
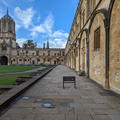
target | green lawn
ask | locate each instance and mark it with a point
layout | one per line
(8, 69)
(10, 79)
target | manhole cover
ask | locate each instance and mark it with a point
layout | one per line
(48, 105)
(26, 98)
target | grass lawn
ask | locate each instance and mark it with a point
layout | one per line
(8, 69)
(10, 79)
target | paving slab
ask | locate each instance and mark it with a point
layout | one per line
(88, 101)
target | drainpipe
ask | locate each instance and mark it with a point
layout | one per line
(107, 86)
(88, 60)
(79, 54)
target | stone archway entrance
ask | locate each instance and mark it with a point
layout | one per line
(3, 60)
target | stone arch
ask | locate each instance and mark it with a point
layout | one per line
(33, 61)
(14, 60)
(4, 45)
(84, 52)
(97, 57)
(20, 60)
(10, 26)
(4, 60)
(114, 45)
(26, 60)
(102, 11)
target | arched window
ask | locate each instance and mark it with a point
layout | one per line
(4, 46)
(4, 26)
(97, 39)
(48, 53)
(10, 27)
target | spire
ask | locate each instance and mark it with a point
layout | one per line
(7, 11)
(47, 44)
(43, 45)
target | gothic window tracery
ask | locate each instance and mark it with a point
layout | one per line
(10, 27)
(4, 46)
(4, 26)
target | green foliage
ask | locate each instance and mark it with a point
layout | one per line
(10, 79)
(29, 44)
(9, 69)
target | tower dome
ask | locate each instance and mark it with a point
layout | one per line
(7, 24)
(7, 17)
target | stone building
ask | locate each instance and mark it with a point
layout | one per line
(10, 54)
(94, 42)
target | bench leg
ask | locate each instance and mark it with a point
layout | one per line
(63, 84)
(75, 84)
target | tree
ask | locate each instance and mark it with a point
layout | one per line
(29, 44)
(17, 46)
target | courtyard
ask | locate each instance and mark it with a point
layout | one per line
(9, 74)
(88, 101)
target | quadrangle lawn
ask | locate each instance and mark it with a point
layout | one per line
(10, 79)
(9, 69)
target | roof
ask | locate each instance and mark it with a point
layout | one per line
(7, 16)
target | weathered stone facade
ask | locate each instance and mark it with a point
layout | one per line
(10, 54)
(94, 42)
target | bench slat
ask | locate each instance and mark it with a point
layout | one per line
(69, 79)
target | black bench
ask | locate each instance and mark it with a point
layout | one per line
(69, 79)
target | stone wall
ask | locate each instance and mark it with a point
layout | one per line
(115, 47)
(101, 65)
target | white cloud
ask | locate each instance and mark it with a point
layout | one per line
(1, 13)
(57, 43)
(4, 2)
(38, 18)
(24, 17)
(59, 34)
(20, 41)
(58, 39)
(49, 23)
(45, 30)
(45, 27)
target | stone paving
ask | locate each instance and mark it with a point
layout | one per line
(88, 101)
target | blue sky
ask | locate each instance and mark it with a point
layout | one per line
(41, 20)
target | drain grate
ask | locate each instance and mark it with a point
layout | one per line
(25, 98)
(48, 105)
(39, 100)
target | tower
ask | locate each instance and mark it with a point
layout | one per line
(7, 38)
